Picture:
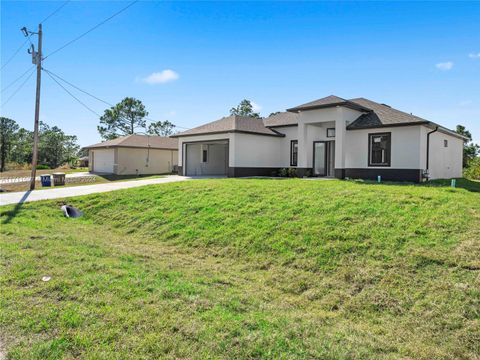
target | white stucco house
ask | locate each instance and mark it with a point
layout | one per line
(333, 137)
(134, 155)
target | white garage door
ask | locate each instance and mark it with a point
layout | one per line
(103, 160)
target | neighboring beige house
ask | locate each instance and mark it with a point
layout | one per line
(134, 154)
(331, 136)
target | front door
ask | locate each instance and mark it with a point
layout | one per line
(323, 158)
(320, 158)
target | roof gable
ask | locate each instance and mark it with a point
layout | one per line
(329, 101)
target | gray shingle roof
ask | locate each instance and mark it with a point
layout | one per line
(382, 115)
(374, 114)
(328, 101)
(281, 119)
(233, 123)
(139, 141)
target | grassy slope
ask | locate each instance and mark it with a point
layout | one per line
(245, 268)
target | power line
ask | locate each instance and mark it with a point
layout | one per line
(19, 88)
(95, 97)
(18, 78)
(55, 11)
(69, 93)
(76, 87)
(90, 30)
(15, 53)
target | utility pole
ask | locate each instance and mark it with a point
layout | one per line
(36, 59)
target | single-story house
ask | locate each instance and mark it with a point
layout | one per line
(83, 161)
(134, 155)
(333, 137)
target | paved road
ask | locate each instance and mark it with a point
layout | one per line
(56, 193)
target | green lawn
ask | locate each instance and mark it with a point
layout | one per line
(237, 268)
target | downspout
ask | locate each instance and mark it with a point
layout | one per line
(428, 150)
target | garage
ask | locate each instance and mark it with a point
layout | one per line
(134, 155)
(206, 158)
(103, 160)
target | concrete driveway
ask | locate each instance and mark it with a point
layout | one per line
(57, 193)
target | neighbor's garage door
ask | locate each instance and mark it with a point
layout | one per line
(206, 159)
(103, 160)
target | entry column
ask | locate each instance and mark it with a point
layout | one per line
(340, 137)
(302, 146)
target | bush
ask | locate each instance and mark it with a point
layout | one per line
(283, 172)
(292, 172)
(42, 167)
(472, 171)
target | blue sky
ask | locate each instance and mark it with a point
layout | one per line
(190, 62)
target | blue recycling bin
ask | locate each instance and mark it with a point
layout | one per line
(46, 180)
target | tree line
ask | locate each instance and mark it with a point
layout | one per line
(129, 117)
(55, 148)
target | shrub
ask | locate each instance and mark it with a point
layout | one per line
(292, 172)
(472, 171)
(42, 167)
(283, 172)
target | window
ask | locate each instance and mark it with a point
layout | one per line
(379, 146)
(204, 155)
(445, 143)
(330, 132)
(293, 152)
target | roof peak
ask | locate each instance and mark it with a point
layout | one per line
(328, 101)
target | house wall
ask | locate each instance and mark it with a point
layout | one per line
(444, 162)
(291, 133)
(257, 151)
(405, 150)
(131, 161)
(408, 153)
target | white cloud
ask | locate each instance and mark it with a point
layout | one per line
(474, 56)
(444, 66)
(161, 77)
(255, 106)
